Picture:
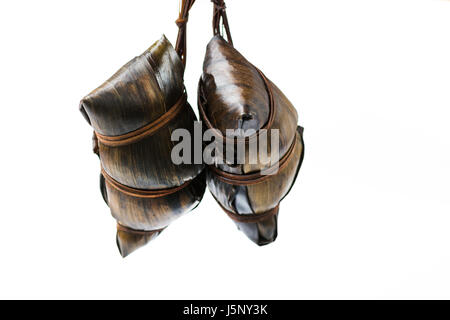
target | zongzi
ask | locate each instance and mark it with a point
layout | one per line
(235, 95)
(133, 115)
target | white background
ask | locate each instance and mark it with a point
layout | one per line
(369, 216)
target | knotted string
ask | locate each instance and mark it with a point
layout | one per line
(181, 22)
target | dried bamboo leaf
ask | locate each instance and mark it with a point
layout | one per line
(233, 93)
(143, 188)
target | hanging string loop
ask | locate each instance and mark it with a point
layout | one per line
(220, 15)
(181, 22)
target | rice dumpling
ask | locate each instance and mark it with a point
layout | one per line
(133, 114)
(234, 94)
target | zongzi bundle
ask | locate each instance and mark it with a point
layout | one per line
(133, 115)
(234, 94)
